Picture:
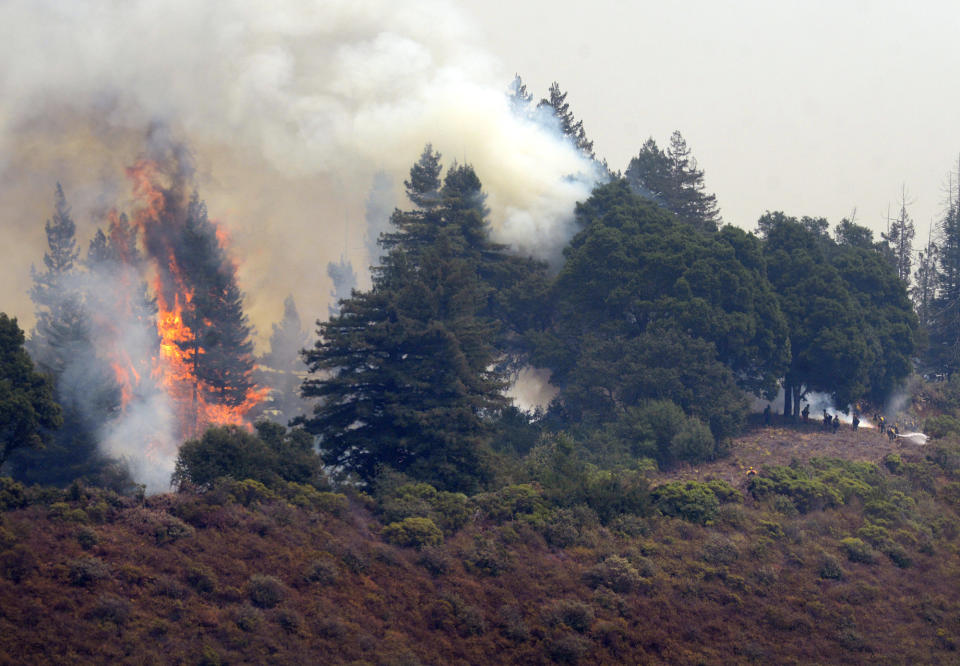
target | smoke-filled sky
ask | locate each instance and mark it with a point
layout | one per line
(808, 106)
(290, 108)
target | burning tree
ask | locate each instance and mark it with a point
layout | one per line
(205, 346)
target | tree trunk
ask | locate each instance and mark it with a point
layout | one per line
(787, 402)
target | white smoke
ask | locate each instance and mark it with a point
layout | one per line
(141, 434)
(334, 87)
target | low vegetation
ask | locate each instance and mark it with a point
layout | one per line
(818, 560)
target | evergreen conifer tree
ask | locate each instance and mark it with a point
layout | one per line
(569, 125)
(671, 178)
(945, 311)
(282, 369)
(28, 412)
(62, 346)
(519, 97)
(899, 239)
(220, 347)
(405, 372)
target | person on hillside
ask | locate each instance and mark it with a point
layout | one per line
(806, 413)
(882, 424)
(766, 415)
(827, 422)
(836, 422)
(856, 421)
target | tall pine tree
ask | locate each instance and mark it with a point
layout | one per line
(899, 239)
(220, 348)
(944, 316)
(62, 345)
(569, 125)
(671, 178)
(282, 369)
(405, 372)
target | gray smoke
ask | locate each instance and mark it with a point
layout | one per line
(290, 108)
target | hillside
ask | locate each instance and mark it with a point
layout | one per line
(840, 561)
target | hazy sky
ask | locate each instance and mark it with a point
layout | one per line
(810, 107)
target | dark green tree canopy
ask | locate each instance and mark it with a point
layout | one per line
(851, 324)
(406, 373)
(633, 265)
(61, 345)
(270, 455)
(944, 315)
(648, 308)
(27, 409)
(673, 180)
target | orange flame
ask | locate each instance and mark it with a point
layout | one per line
(174, 368)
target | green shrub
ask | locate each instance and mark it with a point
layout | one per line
(566, 648)
(12, 495)
(564, 528)
(857, 550)
(898, 555)
(510, 502)
(87, 538)
(805, 491)
(572, 613)
(449, 511)
(614, 493)
(487, 557)
(691, 500)
(893, 462)
(265, 591)
(830, 568)
(434, 560)
(615, 573)
(875, 535)
(694, 443)
(942, 425)
(413, 532)
(201, 579)
(725, 493)
(271, 456)
(511, 623)
(209, 657)
(719, 550)
(246, 491)
(289, 620)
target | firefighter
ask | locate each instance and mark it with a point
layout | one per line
(806, 413)
(751, 471)
(882, 424)
(856, 421)
(836, 422)
(766, 415)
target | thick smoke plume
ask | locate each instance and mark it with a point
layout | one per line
(290, 107)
